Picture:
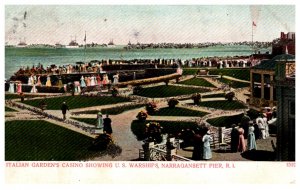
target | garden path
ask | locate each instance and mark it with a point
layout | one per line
(235, 79)
(214, 82)
(123, 137)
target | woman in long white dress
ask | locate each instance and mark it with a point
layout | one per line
(206, 146)
(260, 122)
(266, 127)
(93, 80)
(116, 78)
(29, 80)
(11, 87)
(33, 89)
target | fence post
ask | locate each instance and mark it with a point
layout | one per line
(146, 148)
(221, 135)
(170, 148)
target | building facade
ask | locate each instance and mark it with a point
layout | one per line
(285, 90)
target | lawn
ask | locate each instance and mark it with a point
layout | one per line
(234, 84)
(178, 111)
(225, 121)
(91, 121)
(243, 74)
(168, 91)
(197, 82)
(9, 109)
(219, 95)
(223, 104)
(170, 127)
(44, 141)
(114, 110)
(189, 71)
(77, 101)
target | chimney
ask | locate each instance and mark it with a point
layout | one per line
(282, 35)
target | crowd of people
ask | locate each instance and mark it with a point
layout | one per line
(80, 67)
(252, 130)
(243, 136)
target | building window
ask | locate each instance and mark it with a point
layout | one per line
(256, 79)
(292, 109)
(267, 86)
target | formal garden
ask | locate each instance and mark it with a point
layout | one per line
(160, 107)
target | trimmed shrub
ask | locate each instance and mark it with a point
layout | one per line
(196, 98)
(172, 102)
(151, 108)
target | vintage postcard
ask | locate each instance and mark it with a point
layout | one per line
(121, 93)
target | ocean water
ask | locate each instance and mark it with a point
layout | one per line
(16, 58)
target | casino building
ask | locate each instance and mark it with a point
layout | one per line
(262, 88)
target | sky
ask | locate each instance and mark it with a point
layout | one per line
(41, 24)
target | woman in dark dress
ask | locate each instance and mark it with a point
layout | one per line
(107, 125)
(234, 138)
(198, 146)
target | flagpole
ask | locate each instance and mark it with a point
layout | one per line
(84, 46)
(252, 36)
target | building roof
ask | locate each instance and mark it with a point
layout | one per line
(271, 64)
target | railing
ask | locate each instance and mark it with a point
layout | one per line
(161, 146)
(160, 152)
(179, 158)
(157, 154)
